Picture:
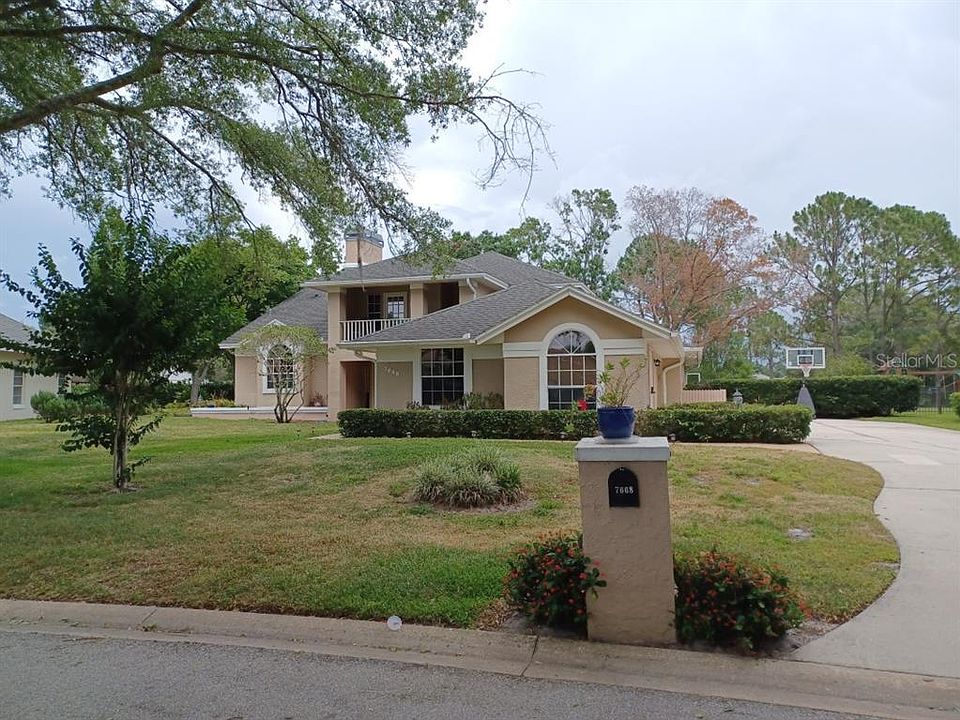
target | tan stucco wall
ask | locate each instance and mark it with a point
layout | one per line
(675, 378)
(570, 310)
(466, 294)
(32, 384)
(634, 549)
(417, 302)
(395, 380)
(640, 395)
(367, 252)
(318, 382)
(488, 376)
(248, 383)
(521, 383)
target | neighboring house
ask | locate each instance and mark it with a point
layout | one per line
(492, 324)
(17, 386)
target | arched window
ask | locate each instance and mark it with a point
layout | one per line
(571, 364)
(281, 368)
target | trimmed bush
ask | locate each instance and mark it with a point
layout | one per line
(514, 424)
(955, 402)
(479, 476)
(549, 581)
(725, 422)
(834, 397)
(54, 408)
(725, 601)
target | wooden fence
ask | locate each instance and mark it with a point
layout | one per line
(699, 396)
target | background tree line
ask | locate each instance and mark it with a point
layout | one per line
(861, 280)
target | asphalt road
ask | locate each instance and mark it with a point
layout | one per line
(56, 676)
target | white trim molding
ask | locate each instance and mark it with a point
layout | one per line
(522, 349)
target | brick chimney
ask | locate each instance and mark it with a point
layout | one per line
(361, 247)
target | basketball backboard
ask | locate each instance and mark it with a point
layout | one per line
(806, 359)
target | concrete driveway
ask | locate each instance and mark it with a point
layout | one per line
(915, 626)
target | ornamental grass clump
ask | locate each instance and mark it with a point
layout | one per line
(549, 580)
(477, 477)
(727, 602)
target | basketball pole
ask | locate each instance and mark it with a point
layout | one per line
(804, 397)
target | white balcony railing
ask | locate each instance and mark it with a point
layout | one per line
(356, 329)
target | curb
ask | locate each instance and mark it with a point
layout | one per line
(898, 696)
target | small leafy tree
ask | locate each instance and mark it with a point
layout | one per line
(286, 357)
(258, 270)
(145, 309)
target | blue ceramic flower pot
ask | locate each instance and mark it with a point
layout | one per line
(616, 422)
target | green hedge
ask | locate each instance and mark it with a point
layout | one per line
(834, 397)
(515, 424)
(717, 422)
(724, 422)
(955, 402)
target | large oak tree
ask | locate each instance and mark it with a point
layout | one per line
(183, 103)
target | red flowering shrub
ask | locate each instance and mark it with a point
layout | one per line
(549, 581)
(728, 602)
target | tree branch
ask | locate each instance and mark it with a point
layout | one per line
(151, 65)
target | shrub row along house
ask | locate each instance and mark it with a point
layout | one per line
(492, 325)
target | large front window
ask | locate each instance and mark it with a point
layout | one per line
(281, 369)
(441, 376)
(571, 365)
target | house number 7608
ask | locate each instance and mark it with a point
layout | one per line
(623, 488)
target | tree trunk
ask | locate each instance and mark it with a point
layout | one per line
(196, 380)
(120, 442)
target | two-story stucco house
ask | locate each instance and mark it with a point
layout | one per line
(17, 386)
(492, 324)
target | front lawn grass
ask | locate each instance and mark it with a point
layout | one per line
(246, 514)
(948, 419)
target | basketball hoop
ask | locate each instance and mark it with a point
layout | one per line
(806, 359)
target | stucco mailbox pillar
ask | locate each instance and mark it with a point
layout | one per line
(625, 503)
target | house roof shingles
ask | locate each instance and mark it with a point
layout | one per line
(14, 330)
(307, 308)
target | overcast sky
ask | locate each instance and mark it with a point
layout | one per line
(770, 104)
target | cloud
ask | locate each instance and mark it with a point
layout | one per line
(768, 103)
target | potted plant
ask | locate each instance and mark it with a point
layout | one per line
(615, 418)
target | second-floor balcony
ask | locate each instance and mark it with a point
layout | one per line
(356, 329)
